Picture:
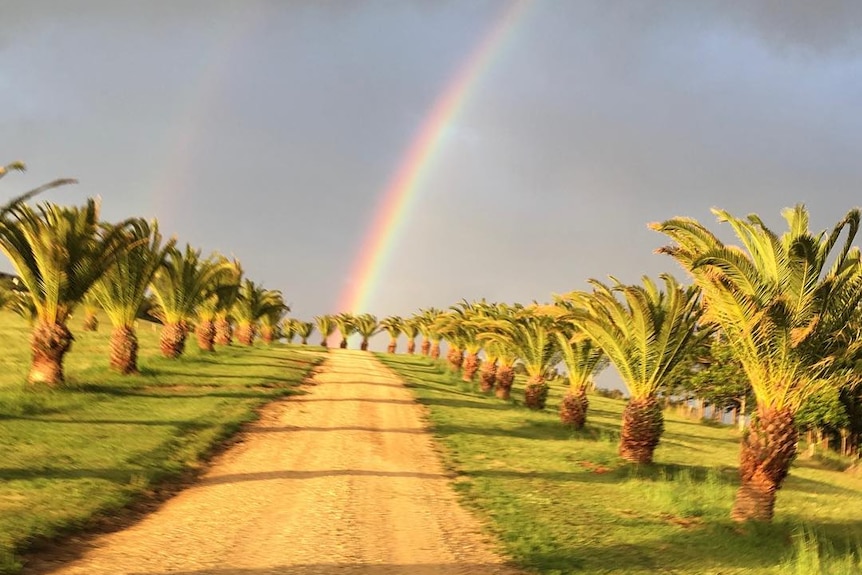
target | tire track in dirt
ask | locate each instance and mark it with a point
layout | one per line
(342, 480)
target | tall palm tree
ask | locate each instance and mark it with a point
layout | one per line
(253, 303)
(304, 330)
(346, 327)
(393, 325)
(58, 253)
(583, 359)
(783, 304)
(122, 291)
(227, 292)
(182, 283)
(644, 337)
(411, 328)
(326, 326)
(529, 333)
(367, 326)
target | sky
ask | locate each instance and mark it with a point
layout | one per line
(270, 130)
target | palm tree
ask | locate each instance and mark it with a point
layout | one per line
(529, 334)
(91, 312)
(411, 328)
(271, 319)
(366, 325)
(304, 330)
(205, 330)
(393, 325)
(346, 327)
(468, 313)
(21, 167)
(253, 303)
(784, 304)
(227, 292)
(182, 283)
(58, 253)
(122, 291)
(427, 319)
(288, 329)
(326, 326)
(583, 359)
(644, 338)
(450, 326)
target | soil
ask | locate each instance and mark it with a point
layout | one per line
(343, 480)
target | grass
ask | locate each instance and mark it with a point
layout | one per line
(564, 502)
(74, 455)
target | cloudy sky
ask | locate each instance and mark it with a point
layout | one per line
(269, 130)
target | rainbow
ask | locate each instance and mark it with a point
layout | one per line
(402, 189)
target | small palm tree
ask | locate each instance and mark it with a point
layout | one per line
(644, 337)
(367, 326)
(288, 329)
(227, 292)
(394, 326)
(450, 326)
(271, 319)
(784, 305)
(411, 328)
(431, 338)
(346, 327)
(122, 291)
(205, 330)
(180, 286)
(91, 312)
(253, 303)
(58, 254)
(326, 326)
(304, 329)
(584, 359)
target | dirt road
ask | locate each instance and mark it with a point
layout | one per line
(343, 480)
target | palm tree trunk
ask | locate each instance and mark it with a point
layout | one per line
(364, 345)
(768, 450)
(426, 346)
(49, 343)
(124, 350)
(323, 342)
(393, 343)
(455, 357)
(224, 332)
(643, 424)
(471, 366)
(411, 346)
(487, 376)
(435, 350)
(205, 332)
(573, 409)
(536, 392)
(245, 334)
(343, 344)
(172, 341)
(267, 334)
(505, 379)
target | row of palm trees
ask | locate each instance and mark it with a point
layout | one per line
(786, 305)
(64, 255)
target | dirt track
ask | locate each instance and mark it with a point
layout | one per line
(342, 480)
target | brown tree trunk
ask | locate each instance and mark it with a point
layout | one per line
(91, 322)
(767, 451)
(505, 379)
(343, 344)
(426, 346)
(435, 350)
(245, 333)
(471, 366)
(393, 343)
(172, 341)
(643, 424)
(49, 343)
(205, 332)
(364, 345)
(536, 392)
(411, 346)
(487, 376)
(124, 350)
(323, 342)
(223, 332)
(267, 334)
(455, 357)
(573, 409)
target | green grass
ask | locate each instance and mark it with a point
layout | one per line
(564, 502)
(72, 455)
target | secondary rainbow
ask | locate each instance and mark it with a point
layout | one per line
(403, 187)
